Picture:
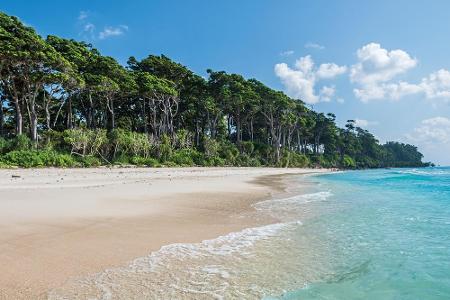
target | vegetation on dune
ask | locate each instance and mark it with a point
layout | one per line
(64, 104)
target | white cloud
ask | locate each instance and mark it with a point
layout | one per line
(432, 137)
(300, 80)
(311, 45)
(110, 31)
(287, 53)
(364, 123)
(376, 67)
(83, 15)
(433, 131)
(327, 92)
(89, 30)
(330, 70)
(376, 64)
(437, 85)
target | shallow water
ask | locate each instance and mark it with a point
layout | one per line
(380, 234)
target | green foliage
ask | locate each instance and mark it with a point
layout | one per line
(86, 142)
(130, 143)
(5, 145)
(72, 99)
(296, 160)
(144, 161)
(186, 157)
(33, 158)
(211, 147)
(165, 148)
(90, 161)
(21, 142)
(348, 162)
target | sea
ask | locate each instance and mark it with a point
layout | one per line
(372, 234)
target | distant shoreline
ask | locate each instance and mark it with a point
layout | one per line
(66, 223)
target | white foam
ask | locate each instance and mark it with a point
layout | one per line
(161, 262)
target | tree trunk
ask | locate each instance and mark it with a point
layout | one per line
(69, 123)
(2, 119)
(19, 118)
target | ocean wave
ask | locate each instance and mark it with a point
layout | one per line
(289, 208)
(203, 270)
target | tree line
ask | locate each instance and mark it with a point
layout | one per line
(63, 103)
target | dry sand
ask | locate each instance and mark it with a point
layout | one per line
(56, 224)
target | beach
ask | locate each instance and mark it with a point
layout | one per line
(60, 224)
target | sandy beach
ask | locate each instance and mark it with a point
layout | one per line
(57, 224)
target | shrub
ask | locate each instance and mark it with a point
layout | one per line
(21, 142)
(85, 141)
(144, 161)
(170, 164)
(5, 145)
(130, 143)
(53, 140)
(165, 148)
(90, 161)
(187, 157)
(33, 158)
(229, 152)
(247, 148)
(210, 147)
(183, 139)
(348, 162)
(294, 160)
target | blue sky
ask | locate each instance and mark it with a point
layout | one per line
(385, 63)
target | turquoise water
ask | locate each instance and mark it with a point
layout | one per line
(387, 233)
(376, 234)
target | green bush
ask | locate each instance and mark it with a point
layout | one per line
(130, 143)
(90, 161)
(144, 161)
(5, 145)
(33, 158)
(21, 142)
(183, 139)
(228, 151)
(165, 148)
(348, 162)
(86, 142)
(53, 140)
(187, 157)
(294, 160)
(210, 147)
(170, 164)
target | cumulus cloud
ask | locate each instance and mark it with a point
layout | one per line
(300, 80)
(437, 85)
(432, 136)
(311, 45)
(364, 123)
(376, 69)
(330, 70)
(110, 31)
(433, 131)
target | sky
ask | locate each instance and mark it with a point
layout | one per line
(385, 64)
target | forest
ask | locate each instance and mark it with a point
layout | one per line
(64, 104)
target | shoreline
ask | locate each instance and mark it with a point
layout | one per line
(77, 222)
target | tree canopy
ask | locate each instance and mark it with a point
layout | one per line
(64, 96)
